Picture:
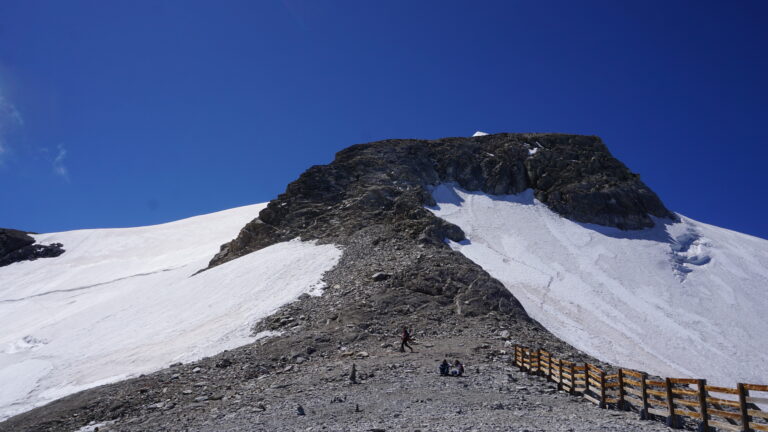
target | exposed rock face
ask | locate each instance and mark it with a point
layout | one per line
(18, 246)
(383, 188)
(387, 182)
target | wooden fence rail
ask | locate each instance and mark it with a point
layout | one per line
(739, 409)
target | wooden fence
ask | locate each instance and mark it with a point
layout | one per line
(731, 409)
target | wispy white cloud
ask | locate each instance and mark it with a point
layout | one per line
(58, 163)
(10, 118)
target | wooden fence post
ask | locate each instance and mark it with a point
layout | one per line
(644, 414)
(523, 353)
(671, 417)
(560, 373)
(546, 373)
(549, 367)
(539, 371)
(602, 389)
(529, 356)
(743, 393)
(586, 378)
(524, 358)
(529, 360)
(514, 357)
(702, 383)
(552, 373)
(620, 404)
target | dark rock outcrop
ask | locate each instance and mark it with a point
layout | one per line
(387, 182)
(18, 246)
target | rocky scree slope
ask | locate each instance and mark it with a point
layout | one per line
(18, 246)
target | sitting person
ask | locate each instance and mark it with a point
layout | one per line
(444, 367)
(458, 369)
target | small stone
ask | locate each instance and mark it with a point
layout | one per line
(224, 363)
(380, 276)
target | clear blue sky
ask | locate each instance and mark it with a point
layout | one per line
(118, 113)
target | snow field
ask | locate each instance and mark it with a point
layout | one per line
(121, 302)
(682, 299)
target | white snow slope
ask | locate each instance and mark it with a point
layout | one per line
(121, 302)
(682, 299)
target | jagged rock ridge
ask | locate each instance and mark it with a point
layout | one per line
(18, 246)
(388, 182)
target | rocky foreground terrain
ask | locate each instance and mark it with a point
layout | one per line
(261, 387)
(396, 270)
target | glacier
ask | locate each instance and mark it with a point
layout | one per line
(682, 299)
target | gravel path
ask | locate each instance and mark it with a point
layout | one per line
(396, 392)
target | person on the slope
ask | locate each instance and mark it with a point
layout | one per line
(404, 339)
(458, 369)
(445, 368)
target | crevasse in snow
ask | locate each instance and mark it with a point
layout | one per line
(121, 302)
(681, 299)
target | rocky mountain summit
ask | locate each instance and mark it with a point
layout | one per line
(374, 196)
(396, 270)
(16, 246)
(388, 182)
